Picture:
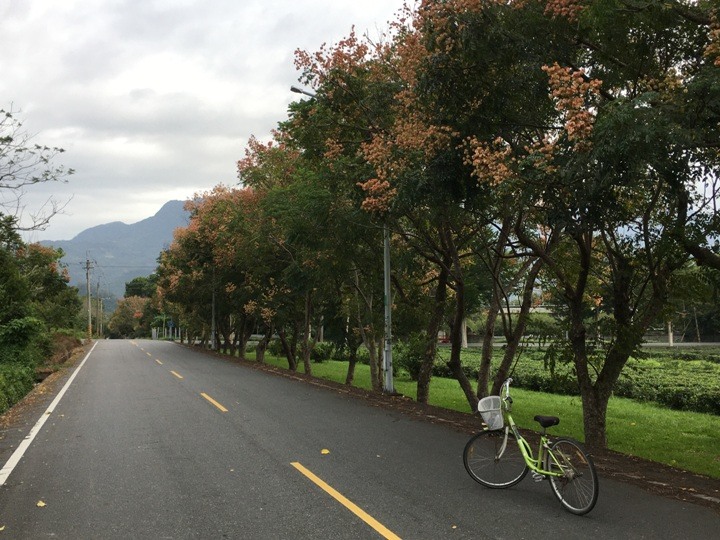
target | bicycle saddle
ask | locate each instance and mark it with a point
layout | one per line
(547, 421)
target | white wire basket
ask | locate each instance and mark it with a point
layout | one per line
(491, 412)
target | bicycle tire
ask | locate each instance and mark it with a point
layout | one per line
(479, 458)
(578, 489)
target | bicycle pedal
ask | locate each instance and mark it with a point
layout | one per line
(538, 477)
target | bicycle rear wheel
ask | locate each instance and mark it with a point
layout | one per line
(485, 466)
(577, 489)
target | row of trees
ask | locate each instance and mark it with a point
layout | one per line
(568, 146)
(35, 299)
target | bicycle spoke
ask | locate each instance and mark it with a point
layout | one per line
(488, 464)
(577, 488)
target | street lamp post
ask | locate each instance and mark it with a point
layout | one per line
(301, 91)
(388, 385)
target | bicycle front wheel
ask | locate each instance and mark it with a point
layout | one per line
(485, 463)
(577, 487)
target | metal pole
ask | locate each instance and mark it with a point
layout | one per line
(213, 344)
(89, 305)
(388, 385)
(98, 306)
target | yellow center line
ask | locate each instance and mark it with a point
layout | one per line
(177, 374)
(158, 361)
(211, 400)
(148, 354)
(359, 512)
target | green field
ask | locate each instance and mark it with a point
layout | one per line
(683, 439)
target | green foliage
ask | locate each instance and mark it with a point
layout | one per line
(680, 380)
(141, 286)
(409, 354)
(127, 320)
(15, 381)
(275, 347)
(688, 385)
(19, 341)
(322, 352)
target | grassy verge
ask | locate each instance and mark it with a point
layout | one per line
(687, 440)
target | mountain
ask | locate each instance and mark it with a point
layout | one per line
(119, 252)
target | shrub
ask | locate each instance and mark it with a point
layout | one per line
(15, 382)
(409, 354)
(275, 348)
(322, 352)
(363, 356)
(664, 378)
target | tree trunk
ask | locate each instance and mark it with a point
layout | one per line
(368, 337)
(513, 336)
(262, 345)
(487, 348)
(594, 419)
(307, 345)
(243, 331)
(455, 362)
(352, 345)
(433, 327)
(350, 377)
(495, 266)
(288, 348)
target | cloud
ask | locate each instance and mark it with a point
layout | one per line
(155, 99)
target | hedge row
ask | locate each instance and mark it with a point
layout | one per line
(675, 379)
(15, 382)
(691, 385)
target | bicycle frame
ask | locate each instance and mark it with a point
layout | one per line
(563, 462)
(536, 464)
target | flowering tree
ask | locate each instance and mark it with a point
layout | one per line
(582, 158)
(573, 141)
(604, 165)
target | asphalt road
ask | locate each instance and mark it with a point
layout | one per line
(155, 440)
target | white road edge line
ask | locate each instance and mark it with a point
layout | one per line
(23, 446)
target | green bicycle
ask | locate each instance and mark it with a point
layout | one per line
(500, 457)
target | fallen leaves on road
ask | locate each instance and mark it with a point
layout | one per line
(324, 451)
(40, 504)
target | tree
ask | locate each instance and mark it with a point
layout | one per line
(126, 321)
(34, 297)
(24, 164)
(609, 174)
(141, 286)
(585, 147)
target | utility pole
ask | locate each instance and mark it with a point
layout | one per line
(102, 313)
(89, 303)
(98, 319)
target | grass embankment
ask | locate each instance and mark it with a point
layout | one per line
(17, 379)
(686, 440)
(15, 382)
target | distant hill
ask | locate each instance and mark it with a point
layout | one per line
(120, 252)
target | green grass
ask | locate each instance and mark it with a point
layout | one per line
(686, 440)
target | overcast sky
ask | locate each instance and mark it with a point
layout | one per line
(155, 100)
